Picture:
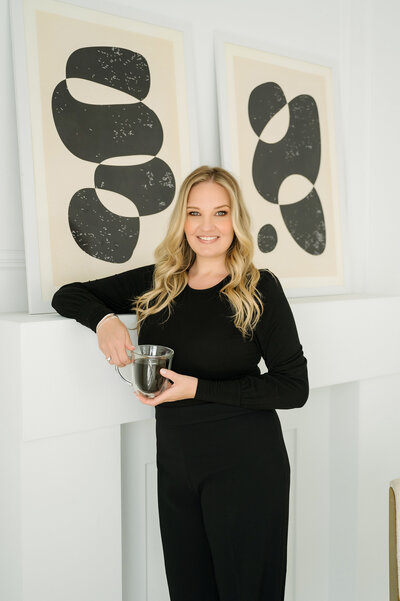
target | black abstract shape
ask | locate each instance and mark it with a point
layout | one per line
(267, 238)
(113, 67)
(299, 151)
(100, 233)
(264, 102)
(305, 221)
(150, 186)
(98, 132)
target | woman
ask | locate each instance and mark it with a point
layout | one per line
(223, 471)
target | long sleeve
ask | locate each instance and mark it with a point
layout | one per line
(285, 386)
(88, 302)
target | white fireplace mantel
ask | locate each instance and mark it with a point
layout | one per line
(61, 410)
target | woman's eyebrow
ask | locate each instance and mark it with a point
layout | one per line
(220, 207)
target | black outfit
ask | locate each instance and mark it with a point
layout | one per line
(223, 471)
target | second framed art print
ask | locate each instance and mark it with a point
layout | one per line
(106, 134)
(278, 137)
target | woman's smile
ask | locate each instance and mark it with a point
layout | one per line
(208, 239)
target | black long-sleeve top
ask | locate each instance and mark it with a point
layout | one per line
(206, 343)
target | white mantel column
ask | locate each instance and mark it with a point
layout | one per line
(61, 411)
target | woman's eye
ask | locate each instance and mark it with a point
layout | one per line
(221, 213)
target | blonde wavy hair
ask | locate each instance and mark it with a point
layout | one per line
(174, 257)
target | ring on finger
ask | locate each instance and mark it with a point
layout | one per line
(108, 358)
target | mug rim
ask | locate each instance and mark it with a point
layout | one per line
(170, 351)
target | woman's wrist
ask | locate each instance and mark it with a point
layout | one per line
(104, 319)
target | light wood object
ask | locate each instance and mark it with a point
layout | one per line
(394, 539)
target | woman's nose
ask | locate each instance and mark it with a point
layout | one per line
(207, 222)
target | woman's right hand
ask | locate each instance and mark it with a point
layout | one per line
(113, 339)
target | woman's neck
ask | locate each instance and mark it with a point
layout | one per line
(208, 269)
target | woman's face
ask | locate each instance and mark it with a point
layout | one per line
(208, 225)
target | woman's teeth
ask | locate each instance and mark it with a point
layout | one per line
(208, 237)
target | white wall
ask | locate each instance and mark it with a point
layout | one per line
(384, 239)
(13, 295)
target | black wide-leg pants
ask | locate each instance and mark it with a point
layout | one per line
(223, 495)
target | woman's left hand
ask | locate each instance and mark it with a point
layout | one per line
(182, 387)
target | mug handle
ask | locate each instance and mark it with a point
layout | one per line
(124, 379)
(130, 355)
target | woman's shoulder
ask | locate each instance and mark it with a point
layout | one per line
(267, 280)
(270, 288)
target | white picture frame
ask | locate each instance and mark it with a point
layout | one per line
(44, 32)
(245, 70)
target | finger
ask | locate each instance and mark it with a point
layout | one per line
(125, 360)
(144, 399)
(128, 343)
(157, 400)
(163, 397)
(169, 374)
(130, 355)
(123, 363)
(122, 357)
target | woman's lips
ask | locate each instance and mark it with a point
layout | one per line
(207, 239)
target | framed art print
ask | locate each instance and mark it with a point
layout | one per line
(106, 134)
(278, 137)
